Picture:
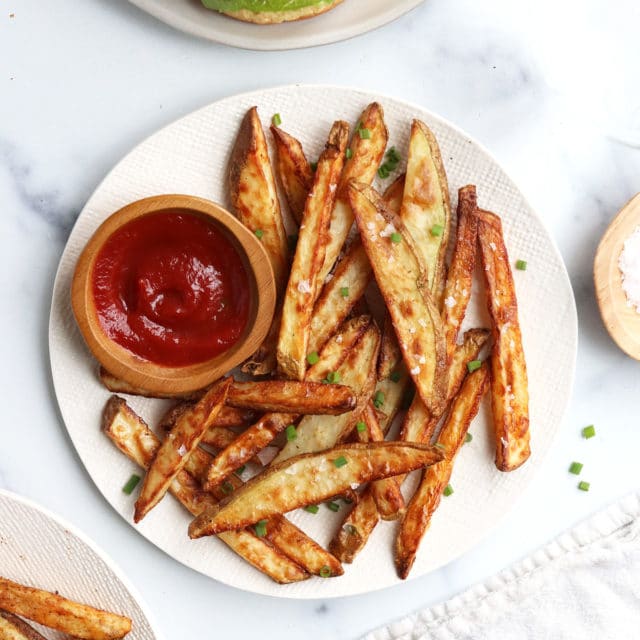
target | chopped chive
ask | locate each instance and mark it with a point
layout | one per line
(291, 433)
(393, 156)
(313, 357)
(396, 238)
(132, 483)
(258, 233)
(378, 400)
(344, 292)
(439, 445)
(394, 376)
(436, 230)
(448, 490)
(365, 134)
(521, 265)
(333, 377)
(314, 166)
(361, 426)
(383, 171)
(339, 462)
(468, 437)
(325, 572)
(276, 120)
(333, 506)
(576, 468)
(227, 487)
(589, 432)
(240, 470)
(348, 154)
(350, 529)
(260, 528)
(312, 508)
(583, 486)
(473, 365)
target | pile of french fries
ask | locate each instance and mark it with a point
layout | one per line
(335, 369)
(52, 610)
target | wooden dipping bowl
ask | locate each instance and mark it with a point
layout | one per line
(150, 376)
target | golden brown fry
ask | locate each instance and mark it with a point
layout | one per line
(426, 211)
(253, 193)
(392, 197)
(264, 361)
(309, 479)
(457, 291)
(509, 389)
(259, 435)
(354, 532)
(366, 155)
(175, 450)
(227, 417)
(402, 282)
(426, 499)
(304, 281)
(61, 614)
(291, 396)
(294, 171)
(14, 628)
(132, 436)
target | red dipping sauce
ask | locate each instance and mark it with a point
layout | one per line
(171, 288)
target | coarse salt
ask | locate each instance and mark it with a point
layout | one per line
(388, 230)
(304, 286)
(415, 371)
(182, 451)
(450, 302)
(629, 265)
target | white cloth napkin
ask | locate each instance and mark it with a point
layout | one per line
(584, 585)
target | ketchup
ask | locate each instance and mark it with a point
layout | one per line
(171, 288)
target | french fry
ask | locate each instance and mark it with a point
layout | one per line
(426, 499)
(253, 193)
(14, 628)
(54, 611)
(426, 211)
(260, 434)
(132, 436)
(316, 433)
(367, 150)
(309, 479)
(294, 171)
(457, 290)
(402, 282)
(354, 532)
(509, 389)
(304, 281)
(175, 450)
(227, 417)
(291, 396)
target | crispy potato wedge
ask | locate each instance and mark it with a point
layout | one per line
(509, 387)
(54, 611)
(316, 433)
(253, 193)
(390, 355)
(132, 436)
(175, 450)
(390, 394)
(14, 628)
(291, 396)
(426, 499)
(304, 280)
(366, 155)
(425, 203)
(264, 361)
(392, 197)
(294, 171)
(457, 290)
(309, 479)
(262, 433)
(402, 282)
(354, 532)
(227, 417)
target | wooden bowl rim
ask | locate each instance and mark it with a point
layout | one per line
(148, 375)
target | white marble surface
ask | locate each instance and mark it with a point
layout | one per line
(82, 82)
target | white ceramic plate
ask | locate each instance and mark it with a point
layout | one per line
(190, 156)
(351, 18)
(40, 550)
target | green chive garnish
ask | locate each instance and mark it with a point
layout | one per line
(378, 400)
(132, 483)
(468, 437)
(333, 506)
(439, 445)
(325, 572)
(365, 134)
(521, 265)
(333, 377)
(383, 172)
(240, 471)
(394, 376)
(227, 487)
(291, 433)
(473, 365)
(436, 230)
(589, 432)
(312, 508)
(340, 462)
(276, 120)
(393, 157)
(576, 468)
(344, 292)
(448, 490)
(258, 233)
(313, 357)
(583, 486)
(361, 426)
(396, 238)
(348, 154)
(260, 528)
